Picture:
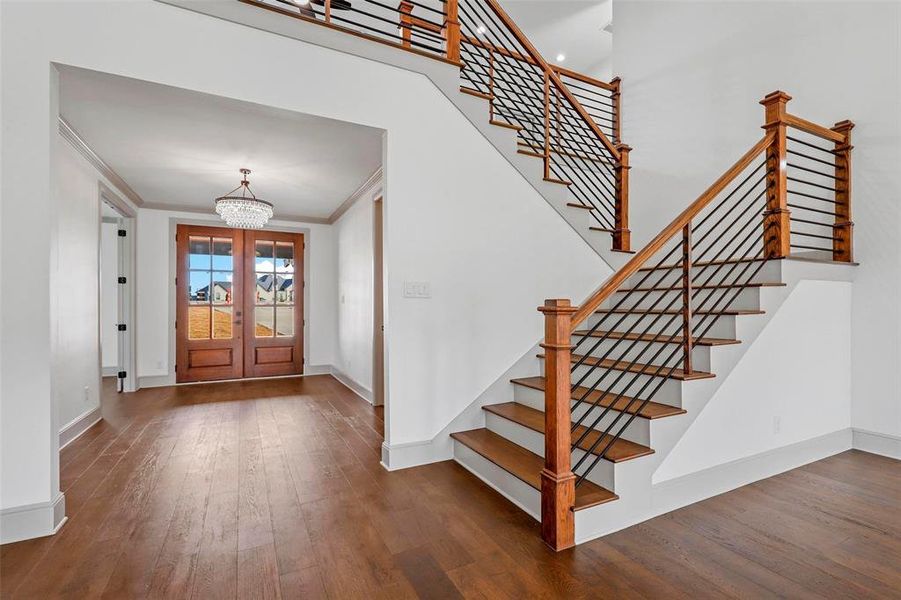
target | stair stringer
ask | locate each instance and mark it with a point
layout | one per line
(445, 76)
(640, 497)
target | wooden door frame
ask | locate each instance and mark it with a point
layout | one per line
(299, 240)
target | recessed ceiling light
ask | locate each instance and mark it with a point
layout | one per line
(561, 57)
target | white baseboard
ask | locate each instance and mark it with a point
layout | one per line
(358, 389)
(32, 520)
(414, 454)
(877, 443)
(77, 426)
(109, 371)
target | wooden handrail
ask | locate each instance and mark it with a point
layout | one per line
(674, 228)
(813, 128)
(552, 75)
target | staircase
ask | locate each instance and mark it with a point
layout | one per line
(622, 376)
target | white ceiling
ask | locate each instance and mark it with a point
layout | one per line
(572, 27)
(180, 149)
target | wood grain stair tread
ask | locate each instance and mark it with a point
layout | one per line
(621, 450)
(645, 369)
(577, 205)
(655, 337)
(524, 465)
(476, 93)
(604, 399)
(716, 286)
(506, 125)
(732, 312)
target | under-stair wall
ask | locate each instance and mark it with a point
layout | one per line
(688, 116)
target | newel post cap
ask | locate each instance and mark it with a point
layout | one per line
(775, 97)
(843, 126)
(557, 306)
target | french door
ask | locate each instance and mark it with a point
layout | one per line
(239, 303)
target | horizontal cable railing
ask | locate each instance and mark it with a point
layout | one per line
(608, 359)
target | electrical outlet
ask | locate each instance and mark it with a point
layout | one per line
(417, 289)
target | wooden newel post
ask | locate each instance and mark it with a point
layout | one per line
(617, 118)
(452, 30)
(558, 484)
(622, 237)
(843, 230)
(776, 218)
(406, 22)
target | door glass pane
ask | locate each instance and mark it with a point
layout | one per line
(263, 321)
(264, 258)
(222, 288)
(198, 322)
(198, 252)
(285, 293)
(222, 254)
(199, 287)
(284, 257)
(222, 322)
(265, 288)
(284, 321)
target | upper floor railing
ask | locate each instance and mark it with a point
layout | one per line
(608, 359)
(569, 120)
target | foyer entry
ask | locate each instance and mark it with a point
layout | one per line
(239, 300)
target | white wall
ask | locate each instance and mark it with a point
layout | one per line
(109, 295)
(693, 73)
(355, 256)
(156, 258)
(76, 284)
(457, 214)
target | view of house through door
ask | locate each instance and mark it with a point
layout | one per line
(237, 311)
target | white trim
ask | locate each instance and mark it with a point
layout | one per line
(357, 388)
(874, 442)
(32, 520)
(415, 454)
(345, 206)
(109, 371)
(74, 428)
(77, 142)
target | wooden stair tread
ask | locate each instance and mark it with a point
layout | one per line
(716, 286)
(475, 93)
(652, 410)
(706, 263)
(621, 450)
(577, 205)
(524, 465)
(558, 181)
(506, 125)
(733, 312)
(626, 365)
(651, 337)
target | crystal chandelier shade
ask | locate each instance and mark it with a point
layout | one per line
(245, 211)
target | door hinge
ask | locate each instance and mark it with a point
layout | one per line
(122, 280)
(176, 368)
(121, 326)
(121, 374)
(122, 233)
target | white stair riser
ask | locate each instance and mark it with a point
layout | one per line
(533, 441)
(644, 352)
(510, 486)
(702, 300)
(721, 326)
(638, 431)
(669, 393)
(743, 272)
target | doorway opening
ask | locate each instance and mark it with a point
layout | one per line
(239, 303)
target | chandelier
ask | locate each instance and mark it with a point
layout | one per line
(245, 211)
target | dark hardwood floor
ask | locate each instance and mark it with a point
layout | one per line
(267, 489)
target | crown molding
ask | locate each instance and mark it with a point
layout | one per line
(77, 142)
(352, 199)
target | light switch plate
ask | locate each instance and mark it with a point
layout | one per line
(417, 289)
